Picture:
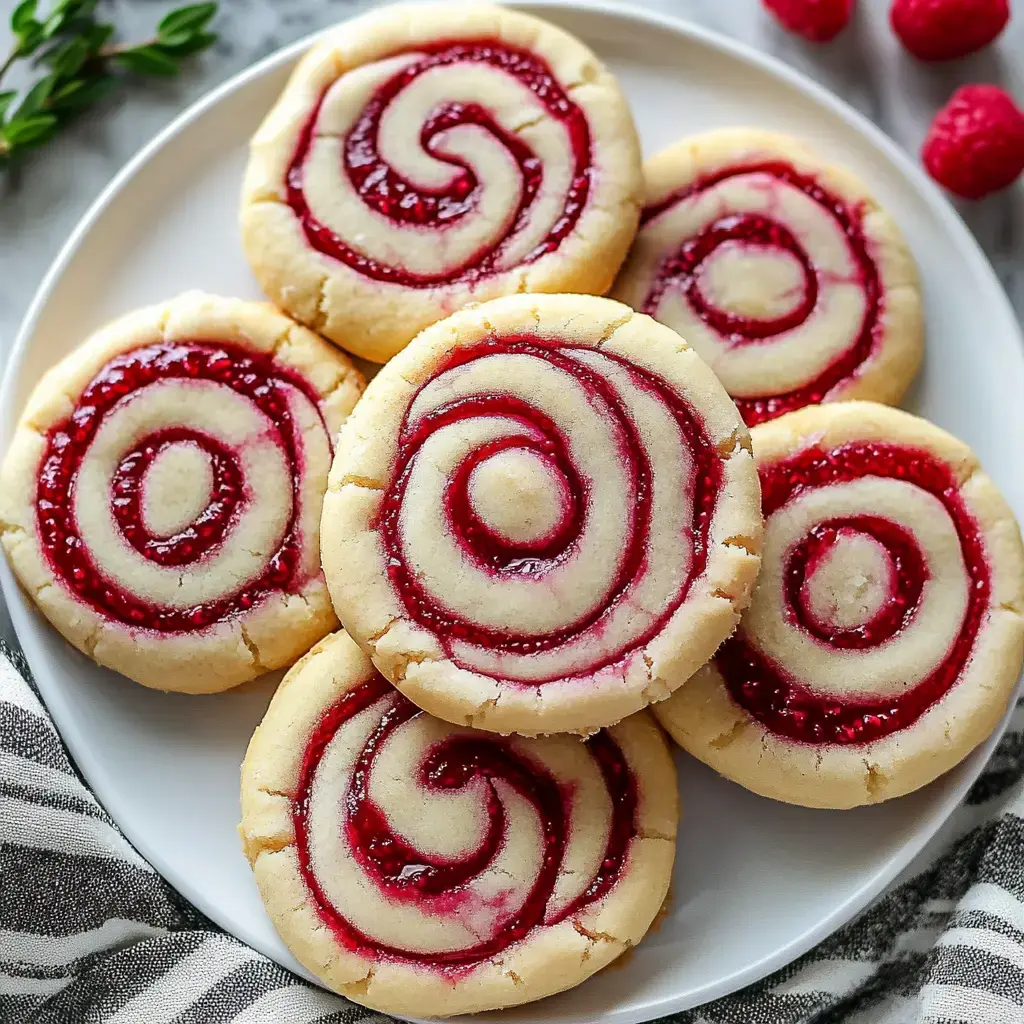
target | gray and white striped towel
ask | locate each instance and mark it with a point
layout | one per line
(90, 934)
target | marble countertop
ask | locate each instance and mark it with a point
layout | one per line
(40, 204)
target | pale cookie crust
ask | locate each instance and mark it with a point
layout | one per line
(702, 715)
(500, 227)
(199, 428)
(772, 256)
(292, 831)
(511, 539)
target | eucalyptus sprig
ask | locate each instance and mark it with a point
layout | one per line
(81, 64)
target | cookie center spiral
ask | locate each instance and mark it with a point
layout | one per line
(520, 497)
(849, 582)
(176, 489)
(756, 282)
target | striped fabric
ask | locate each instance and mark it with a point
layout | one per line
(90, 934)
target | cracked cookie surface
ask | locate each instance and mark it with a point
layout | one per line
(428, 869)
(161, 497)
(426, 156)
(885, 634)
(543, 515)
(779, 268)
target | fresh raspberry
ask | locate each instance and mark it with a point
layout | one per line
(816, 20)
(944, 29)
(976, 142)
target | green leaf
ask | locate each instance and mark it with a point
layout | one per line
(30, 131)
(176, 38)
(193, 44)
(69, 17)
(29, 39)
(82, 93)
(147, 60)
(185, 20)
(66, 60)
(66, 92)
(97, 37)
(54, 23)
(6, 99)
(35, 98)
(74, 8)
(22, 16)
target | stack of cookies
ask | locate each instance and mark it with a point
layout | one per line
(547, 512)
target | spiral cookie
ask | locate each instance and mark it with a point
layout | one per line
(161, 498)
(429, 869)
(424, 156)
(885, 634)
(779, 269)
(543, 515)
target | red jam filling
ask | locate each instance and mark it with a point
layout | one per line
(909, 576)
(478, 540)
(680, 270)
(208, 528)
(783, 704)
(390, 195)
(256, 377)
(540, 434)
(406, 875)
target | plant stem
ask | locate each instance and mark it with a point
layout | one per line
(115, 48)
(6, 66)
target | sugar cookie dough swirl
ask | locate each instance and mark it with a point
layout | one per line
(779, 269)
(563, 494)
(165, 490)
(885, 632)
(442, 864)
(423, 157)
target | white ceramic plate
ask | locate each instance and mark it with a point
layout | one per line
(757, 883)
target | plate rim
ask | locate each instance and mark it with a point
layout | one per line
(677, 26)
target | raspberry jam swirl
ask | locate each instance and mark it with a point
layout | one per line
(175, 494)
(498, 177)
(771, 277)
(420, 841)
(549, 508)
(871, 559)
